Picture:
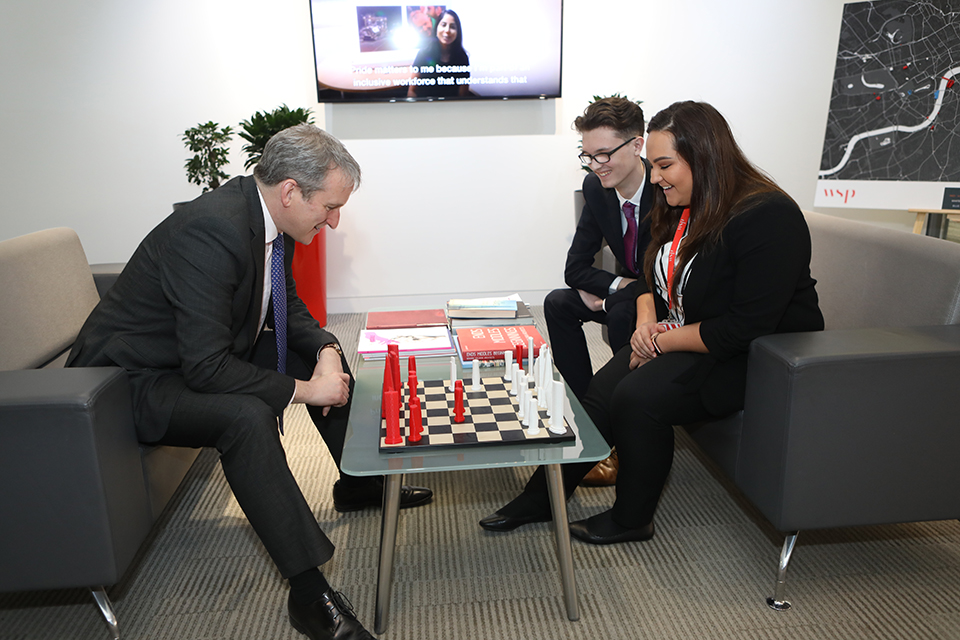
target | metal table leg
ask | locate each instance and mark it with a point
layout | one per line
(558, 505)
(388, 542)
(106, 607)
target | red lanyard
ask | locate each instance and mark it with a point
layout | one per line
(672, 253)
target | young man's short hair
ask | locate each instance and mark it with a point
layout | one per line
(620, 114)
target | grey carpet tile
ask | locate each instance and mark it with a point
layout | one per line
(203, 574)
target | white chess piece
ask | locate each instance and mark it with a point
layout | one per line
(453, 373)
(475, 377)
(530, 355)
(548, 394)
(556, 420)
(508, 365)
(522, 404)
(534, 418)
(538, 371)
(515, 384)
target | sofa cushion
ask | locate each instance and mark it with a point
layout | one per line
(869, 276)
(47, 291)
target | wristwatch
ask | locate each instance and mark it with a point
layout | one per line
(331, 345)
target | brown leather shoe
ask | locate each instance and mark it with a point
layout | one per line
(604, 474)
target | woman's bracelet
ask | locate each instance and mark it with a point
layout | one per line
(656, 347)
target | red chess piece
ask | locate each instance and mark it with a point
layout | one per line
(387, 385)
(414, 391)
(412, 375)
(392, 408)
(458, 402)
(416, 420)
(412, 381)
(518, 355)
(393, 356)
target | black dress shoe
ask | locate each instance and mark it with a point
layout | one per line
(499, 522)
(329, 618)
(601, 529)
(370, 494)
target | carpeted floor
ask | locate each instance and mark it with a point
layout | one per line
(705, 575)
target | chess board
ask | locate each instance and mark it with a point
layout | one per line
(490, 418)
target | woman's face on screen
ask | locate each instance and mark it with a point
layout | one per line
(447, 30)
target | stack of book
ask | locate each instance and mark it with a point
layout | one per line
(487, 344)
(418, 332)
(486, 327)
(483, 328)
(488, 312)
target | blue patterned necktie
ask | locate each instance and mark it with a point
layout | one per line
(630, 239)
(278, 293)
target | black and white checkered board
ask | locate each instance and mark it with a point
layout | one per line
(490, 418)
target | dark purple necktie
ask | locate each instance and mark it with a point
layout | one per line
(278, 293)
(630, 239)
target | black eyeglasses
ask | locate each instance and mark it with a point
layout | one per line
(602, 158)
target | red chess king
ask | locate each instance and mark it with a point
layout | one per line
(387, 385)
(393, 352)
(392, 409)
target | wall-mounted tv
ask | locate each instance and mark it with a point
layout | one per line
(464, 50)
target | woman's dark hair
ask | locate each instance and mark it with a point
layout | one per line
(723, 180)
(458, 43)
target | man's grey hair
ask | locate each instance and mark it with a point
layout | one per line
(307, 154)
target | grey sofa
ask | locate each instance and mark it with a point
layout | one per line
(79, 493)
(857, 424)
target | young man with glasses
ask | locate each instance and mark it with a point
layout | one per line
(617, 196)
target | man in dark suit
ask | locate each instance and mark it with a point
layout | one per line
(618, 196)
(191, 319)
(612, 139)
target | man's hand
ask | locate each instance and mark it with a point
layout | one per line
(594, 303)
(642, 340)
(328, 387)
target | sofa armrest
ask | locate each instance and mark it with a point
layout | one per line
(105, 274)
(74, 504)
(852, 427)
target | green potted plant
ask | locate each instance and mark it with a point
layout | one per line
(262, 126)
(208, 142)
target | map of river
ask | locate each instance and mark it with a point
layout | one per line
(895, 106)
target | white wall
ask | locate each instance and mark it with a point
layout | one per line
(471, 199)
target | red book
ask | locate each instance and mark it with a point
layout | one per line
(406, 318)
(489, 343)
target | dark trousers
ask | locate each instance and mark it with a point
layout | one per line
(244, 430)
(565, 314)
(635, 412)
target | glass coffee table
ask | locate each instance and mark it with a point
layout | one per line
(362, 457)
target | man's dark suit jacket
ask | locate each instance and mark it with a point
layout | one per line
(184, 312)
(601, 220)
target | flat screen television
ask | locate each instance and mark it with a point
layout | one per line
(465, 50)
